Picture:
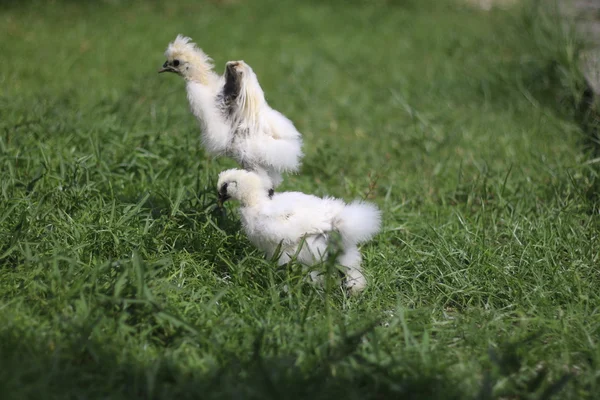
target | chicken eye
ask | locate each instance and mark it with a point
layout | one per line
(224, 188)
(176, 63)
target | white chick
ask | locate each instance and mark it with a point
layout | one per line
(202, 85)
(270, 219)
(265, 140)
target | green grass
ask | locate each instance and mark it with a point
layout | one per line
(119, 278)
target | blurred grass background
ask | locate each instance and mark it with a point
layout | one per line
(120, 279)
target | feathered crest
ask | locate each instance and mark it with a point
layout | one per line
(251, 97)
(183, 46)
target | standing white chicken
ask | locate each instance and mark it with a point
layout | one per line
(202, 85)
(263, 140)
(272, 219)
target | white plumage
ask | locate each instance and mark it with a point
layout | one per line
(270, 219)
(202, 85)
(265, 140)
(235, 117)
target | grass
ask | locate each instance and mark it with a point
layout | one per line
(119, 278)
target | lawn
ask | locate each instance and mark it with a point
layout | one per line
(120, 277)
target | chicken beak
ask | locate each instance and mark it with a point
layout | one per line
(166, 68)
(222, 199)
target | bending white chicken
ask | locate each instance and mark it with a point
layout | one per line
(270, 219)
(235, 118)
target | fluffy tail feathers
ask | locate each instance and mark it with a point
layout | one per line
(358, 222)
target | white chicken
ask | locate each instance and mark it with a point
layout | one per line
(265, 140)
(202, 85)
(235, 118)
(290, 219)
